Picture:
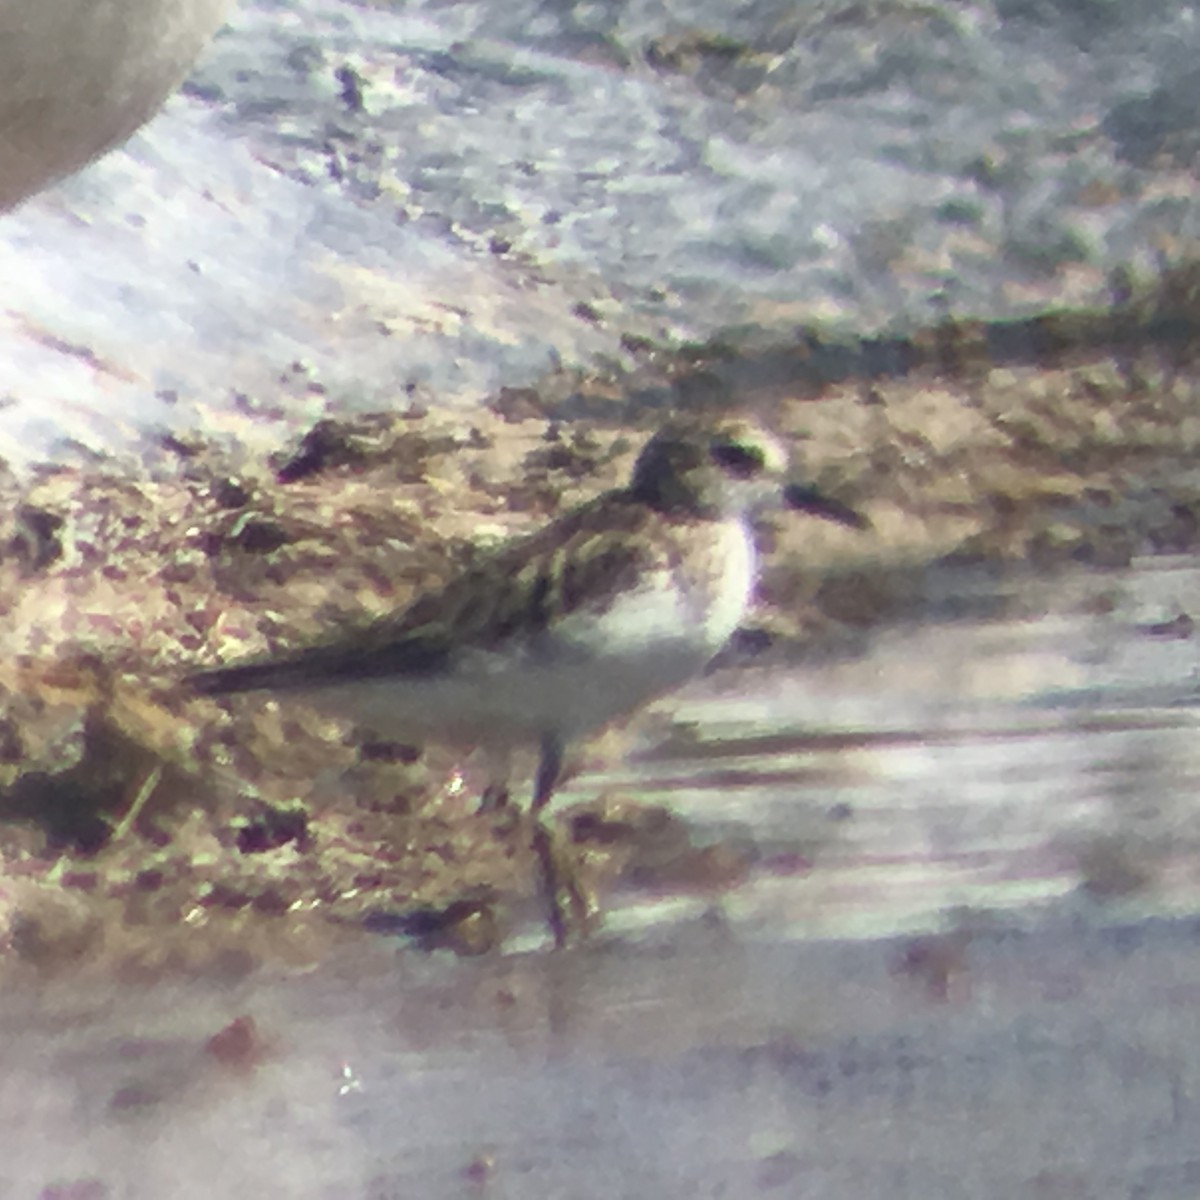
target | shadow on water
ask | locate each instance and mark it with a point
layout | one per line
(1161, 318)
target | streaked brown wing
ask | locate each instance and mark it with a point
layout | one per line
(580, 561)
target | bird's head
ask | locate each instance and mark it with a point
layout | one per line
(726, 468)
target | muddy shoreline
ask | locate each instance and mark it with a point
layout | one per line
(143, 830)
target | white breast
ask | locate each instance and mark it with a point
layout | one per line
(588, 670)
(734, 586)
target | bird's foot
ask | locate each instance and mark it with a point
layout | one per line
(571, 907)
(495, 798)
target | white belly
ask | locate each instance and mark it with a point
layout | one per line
(587, 671)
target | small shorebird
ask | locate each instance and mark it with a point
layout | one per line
(563, 631)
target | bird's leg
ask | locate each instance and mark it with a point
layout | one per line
(495, 797)
(560, 880)
(548, 771)
(550, 870)
(570, 908)
(498, 763)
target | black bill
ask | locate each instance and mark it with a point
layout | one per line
(805, 498)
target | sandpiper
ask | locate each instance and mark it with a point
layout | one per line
(561, 632)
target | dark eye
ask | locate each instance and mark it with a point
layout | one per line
(737, 459)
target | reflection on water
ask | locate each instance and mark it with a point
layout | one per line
(983, 763)
(1021, 786)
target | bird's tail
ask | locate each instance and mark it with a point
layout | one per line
(248, 677)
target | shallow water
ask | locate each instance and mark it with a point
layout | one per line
(989, 762)
(961, 963)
